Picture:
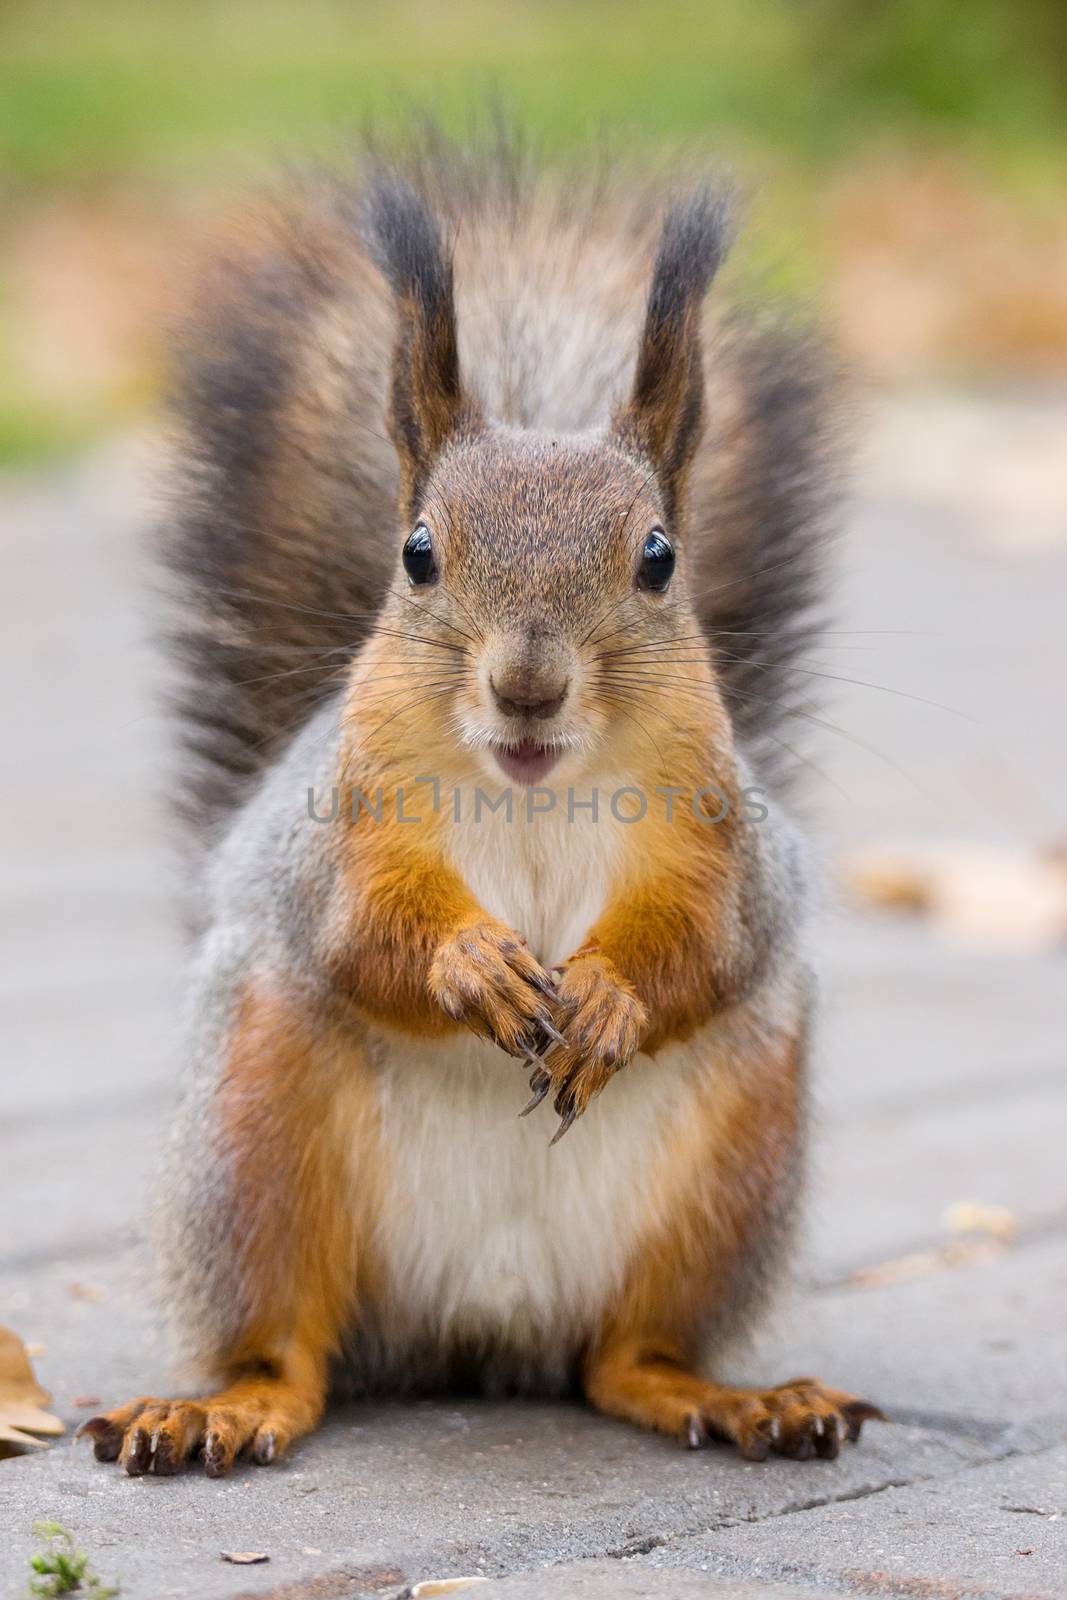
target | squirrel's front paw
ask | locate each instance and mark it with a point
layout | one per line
(603, 1022)
(484, 976)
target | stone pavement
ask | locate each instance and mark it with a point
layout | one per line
(940, 1079)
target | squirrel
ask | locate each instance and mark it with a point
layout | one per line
(493, 544)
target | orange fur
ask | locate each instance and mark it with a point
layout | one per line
(721, 1187)
(674, 926)
(290, 1107)
(416, 950)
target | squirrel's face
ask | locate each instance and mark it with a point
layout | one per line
(541, 595)
(550, 597)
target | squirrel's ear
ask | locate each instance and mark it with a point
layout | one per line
(662, 418)
(427, 404)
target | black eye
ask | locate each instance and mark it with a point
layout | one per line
(418, 558)
(657, 562)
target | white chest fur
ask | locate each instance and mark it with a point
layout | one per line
(488, 1234)
(544, 873)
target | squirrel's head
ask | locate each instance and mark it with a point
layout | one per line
(542, 598)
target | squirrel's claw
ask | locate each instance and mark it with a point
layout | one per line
(567, 1119)
(552, 1031)
(540, 1083)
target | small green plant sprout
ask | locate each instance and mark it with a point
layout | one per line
(60, 1568)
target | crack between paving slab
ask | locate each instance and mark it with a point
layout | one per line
(816, 1503)
(640, 1545)
(644, 1546)
(648, 1543)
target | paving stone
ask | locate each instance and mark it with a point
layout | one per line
(979, 1345)
(81, 1182)
(882, 1184)
(435, 1489)
(632, 1579)
(997, 1531)
(94, 1050)
(906, 1019)
(937, 1072)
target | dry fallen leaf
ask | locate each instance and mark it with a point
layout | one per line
(986, 895)
(923, 1263)
(981, 1231)
(21, 1399)
(971, 1216)
(86, 1291)
(244, 1558)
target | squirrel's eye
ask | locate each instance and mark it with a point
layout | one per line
(657, 562)
(418, 558)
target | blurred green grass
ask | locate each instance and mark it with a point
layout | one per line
(161, 95)
(113, 88)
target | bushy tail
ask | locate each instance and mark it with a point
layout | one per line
(282, 500)
(765, 494)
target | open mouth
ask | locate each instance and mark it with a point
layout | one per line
(527, 761)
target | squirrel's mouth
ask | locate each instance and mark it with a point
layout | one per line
(527, 761)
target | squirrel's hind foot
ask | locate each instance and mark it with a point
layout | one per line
(256, 1417)
(799, 1419)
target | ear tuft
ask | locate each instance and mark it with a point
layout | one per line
(692, 244)
(662, 418)
(427, 402)
(407, 246)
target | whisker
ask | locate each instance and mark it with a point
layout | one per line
(425, 609)
(340, 616)
(637, 652)
(860, 683)
(662, 644)
(821, 722)
(372, 733)
(783, 744)
(794, 711)
(603, 618)
(432, 683)
(291, 672)
(746, 577)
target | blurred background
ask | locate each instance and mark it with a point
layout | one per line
(904, 162)
(905, 167)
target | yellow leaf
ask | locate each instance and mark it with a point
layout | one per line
(988, 896)
(21, 1399)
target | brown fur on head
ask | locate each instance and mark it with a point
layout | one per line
(526, 573)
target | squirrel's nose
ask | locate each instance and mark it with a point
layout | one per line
(530, 700)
